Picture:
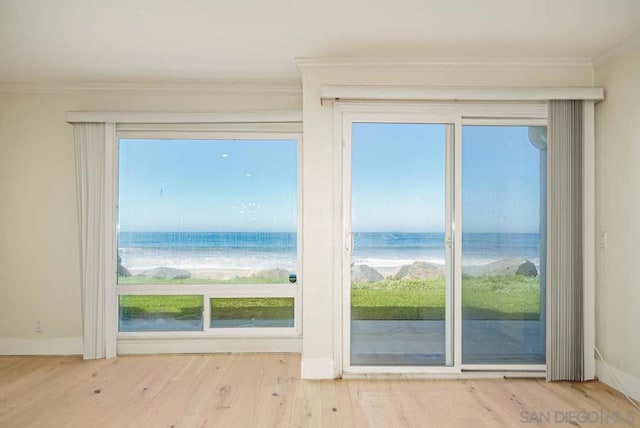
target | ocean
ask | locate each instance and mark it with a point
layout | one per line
(269, 250)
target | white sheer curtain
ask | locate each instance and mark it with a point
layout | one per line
(90, 182)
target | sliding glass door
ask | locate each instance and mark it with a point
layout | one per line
(444, 222)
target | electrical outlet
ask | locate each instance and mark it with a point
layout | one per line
(603, 241)
(38, 327)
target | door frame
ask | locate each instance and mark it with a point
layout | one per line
(452, 113)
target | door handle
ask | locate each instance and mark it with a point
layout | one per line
(348, 243)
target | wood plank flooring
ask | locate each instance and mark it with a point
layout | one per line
(265, 390)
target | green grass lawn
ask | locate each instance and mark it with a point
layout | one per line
(141, 280)
(253, 308)
(484, 298)
(175, 307)
(190, 307)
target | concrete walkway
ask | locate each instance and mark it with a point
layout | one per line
(423, 342)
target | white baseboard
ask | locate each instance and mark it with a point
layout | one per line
(317, 368)
(629, 383)
(41, 346)
(172, 345)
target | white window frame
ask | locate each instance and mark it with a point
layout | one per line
(208, 291)
(457, 114)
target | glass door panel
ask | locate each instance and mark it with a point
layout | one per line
(400, 296)
(503, 245)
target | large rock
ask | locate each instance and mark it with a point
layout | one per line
(122, 271)
(166, 273)
(420, 270)
(527, 269)
(363, 274)
(514, 266)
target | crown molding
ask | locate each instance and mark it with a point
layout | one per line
(572, 64)
(265, 116)
(155, 88)
(628, 45)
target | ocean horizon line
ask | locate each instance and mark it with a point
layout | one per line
(391, 232)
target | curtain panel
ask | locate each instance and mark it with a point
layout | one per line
(565, 326)
(89, 142)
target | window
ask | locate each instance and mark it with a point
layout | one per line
(160, 313)
(252, 312)
(208, 234)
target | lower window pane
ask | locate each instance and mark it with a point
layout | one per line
(252, 312)
(160, 313)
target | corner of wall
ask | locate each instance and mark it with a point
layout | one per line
(617, 158)
(618, 380)
(615, 52)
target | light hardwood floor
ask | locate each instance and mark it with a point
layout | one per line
(264, 390)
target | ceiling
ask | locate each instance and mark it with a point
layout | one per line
(256, 41)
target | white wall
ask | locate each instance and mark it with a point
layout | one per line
(618, 215)
(39, 274)
(39, 256)
(320, 192)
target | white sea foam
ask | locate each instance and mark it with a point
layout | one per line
(143, 259)
(396, 262)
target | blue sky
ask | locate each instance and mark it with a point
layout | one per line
(397, 185)
(199, 185)
(398, 177)
(500, 180)
(399, 171)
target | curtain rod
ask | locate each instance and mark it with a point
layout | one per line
(418, 93)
